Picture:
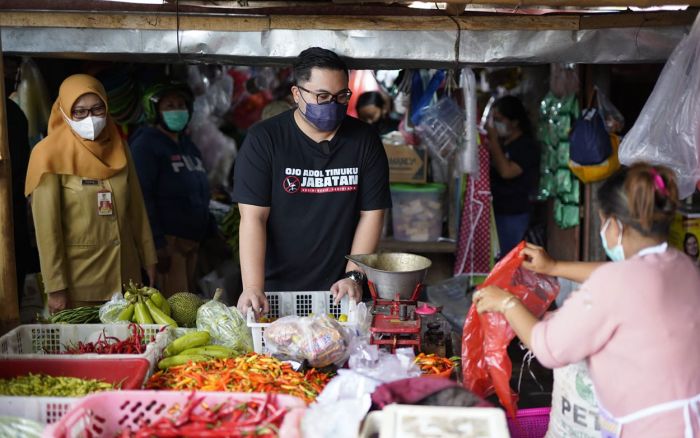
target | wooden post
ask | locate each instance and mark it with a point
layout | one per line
(9, 307)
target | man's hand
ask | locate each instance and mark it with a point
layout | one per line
(57, 301)
(163, 260)
(347, 286)
(253, 299)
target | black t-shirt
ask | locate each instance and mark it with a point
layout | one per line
(315, 192)
(512, 196)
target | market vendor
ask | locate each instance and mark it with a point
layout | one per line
(634, 321)
(373, 108)
(312, 186)
(91, 224)
(175, 184)
(514, 164)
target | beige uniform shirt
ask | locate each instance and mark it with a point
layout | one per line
(79, 250)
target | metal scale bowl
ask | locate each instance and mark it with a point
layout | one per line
(395, 281)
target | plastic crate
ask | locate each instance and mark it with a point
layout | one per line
(31, 341)
(529, 423)
(129, 373)
(108, 413)
(299, 304)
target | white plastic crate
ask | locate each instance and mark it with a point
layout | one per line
(44, 410)
(299, 304)
(32, 341)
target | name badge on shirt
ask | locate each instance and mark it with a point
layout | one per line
(104, 203)
(90, 182)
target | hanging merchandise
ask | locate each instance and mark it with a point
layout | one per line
(667, 131)
(556, 178)
(485, 362)
(360, 81)
(614, 120)
(563, 80)
(441, 129)
(590, 142)
(123, 94)
(599, 172)
(468, 157)
(420, 96)
(474, 245)
(218, 150)
(33, 98)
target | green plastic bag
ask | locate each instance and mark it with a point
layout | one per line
(566, 215)
(564, 181)
(574, 196)
(563, 155)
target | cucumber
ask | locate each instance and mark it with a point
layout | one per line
(190, 340)
(181, 359)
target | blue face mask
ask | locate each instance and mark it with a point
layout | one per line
(617, 253)
(175, 120)
(325, 117)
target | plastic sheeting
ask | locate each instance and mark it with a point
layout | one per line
(364, 48)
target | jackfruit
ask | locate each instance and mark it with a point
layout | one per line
(183, 308)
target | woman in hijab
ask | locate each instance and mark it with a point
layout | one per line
(92, 229)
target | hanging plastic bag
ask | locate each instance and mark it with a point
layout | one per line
(614, 120)
(599, 172)
(590, 141)
(667, 131)
(442, 128)
(486, 365)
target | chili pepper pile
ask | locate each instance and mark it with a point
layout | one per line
(134, 344)
(42, 385)
(255, 418)
(432, 364)
(249, 373)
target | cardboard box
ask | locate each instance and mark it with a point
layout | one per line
(685, 234)
(406, 163)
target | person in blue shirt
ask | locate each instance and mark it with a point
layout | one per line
(174, 183)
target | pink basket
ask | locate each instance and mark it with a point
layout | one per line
(529, 423)
(108, 413)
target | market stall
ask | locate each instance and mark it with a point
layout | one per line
(143, 365)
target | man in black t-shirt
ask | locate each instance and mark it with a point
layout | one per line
(311, 185)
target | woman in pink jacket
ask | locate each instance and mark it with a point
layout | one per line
(635, 322)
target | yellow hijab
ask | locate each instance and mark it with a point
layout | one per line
(64, 152)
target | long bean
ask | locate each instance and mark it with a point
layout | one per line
(79, 315)
(50, 386)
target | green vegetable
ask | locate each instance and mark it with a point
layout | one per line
(183, 308)
(158, 316)
(79, 315)
(217, 351)
(20, 427)
(127, 313)
(181, 359)
(227, 326)
(42, 385)
(160, 301)
(141, 313)
(190, 340)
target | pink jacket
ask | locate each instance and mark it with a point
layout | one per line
(637, 323)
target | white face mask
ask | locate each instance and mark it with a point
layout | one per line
(88, 128)
(501, 129)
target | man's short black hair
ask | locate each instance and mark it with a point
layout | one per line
(319, 58)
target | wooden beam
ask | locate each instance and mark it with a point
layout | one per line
(259, 23)
(9, 310)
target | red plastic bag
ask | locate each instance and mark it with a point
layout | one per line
(485, 362)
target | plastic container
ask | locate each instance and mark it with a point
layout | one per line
(107, 414)
(129, 373)
(417, 211)
(299, 304)
(529, 423)
(32, 341)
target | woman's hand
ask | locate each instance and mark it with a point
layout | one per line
(491, 299)
(537, 260)
(57, 301)
(151, 273)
